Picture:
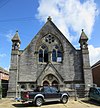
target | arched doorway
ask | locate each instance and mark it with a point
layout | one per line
(46, 83)
(50, 80)
(55, 83)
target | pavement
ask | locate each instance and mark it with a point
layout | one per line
(80, 103)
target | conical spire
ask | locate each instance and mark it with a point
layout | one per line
(16, 37)
(83, 36)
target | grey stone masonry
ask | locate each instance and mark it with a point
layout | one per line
(13, 71)
(88, 80)
(49, 59)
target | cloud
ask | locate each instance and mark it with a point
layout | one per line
(69, 15)
(94, 54)
(2, 55)
(9, 35)
(7, 68)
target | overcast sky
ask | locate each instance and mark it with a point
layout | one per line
(28, 16)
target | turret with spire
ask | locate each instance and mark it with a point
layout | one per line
(13, 71)
(16, 41)
(83, 40)
(85, 59)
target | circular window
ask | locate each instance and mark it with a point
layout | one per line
(23, 87)
(56, 46)
(50, 77)
(43, 46)
(49, 39)
(31, 86)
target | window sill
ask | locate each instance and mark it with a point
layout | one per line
(56, 62)
(50, 62)
(42, 62)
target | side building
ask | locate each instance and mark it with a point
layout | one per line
(49, 59)
(4, 79)
(96, 73)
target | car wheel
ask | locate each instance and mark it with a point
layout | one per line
(64, 99)
(39, 101)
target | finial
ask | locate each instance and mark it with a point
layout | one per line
(49, 18)
(16, 30)
(82, 30)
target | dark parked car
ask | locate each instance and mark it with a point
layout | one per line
(94, 93)
(44, 94)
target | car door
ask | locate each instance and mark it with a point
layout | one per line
(47, 93)
(50, 94)
(55, 93)
(95, 94)
(91, 93)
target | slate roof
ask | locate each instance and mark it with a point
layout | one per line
(16, 37)
(3, 70)
(97, 63)
(83, 36)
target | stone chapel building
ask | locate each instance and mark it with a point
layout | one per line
(49, 59)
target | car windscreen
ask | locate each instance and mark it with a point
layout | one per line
(99, 90)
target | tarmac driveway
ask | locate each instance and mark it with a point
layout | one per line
(82, 103)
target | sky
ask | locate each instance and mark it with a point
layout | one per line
(28, 17)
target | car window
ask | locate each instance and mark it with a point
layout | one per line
(99, 90)
(47, 90)
(53, 90)
(95, 91)
(37, 89)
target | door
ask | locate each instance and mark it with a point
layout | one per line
(55, 84)
(51, 94)
(46, 83)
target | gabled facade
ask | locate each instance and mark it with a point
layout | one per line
(49, 59)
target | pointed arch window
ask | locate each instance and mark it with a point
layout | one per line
(57, 54)
(40, 55)
(46, 55)
(43, 54)
(54, 58)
